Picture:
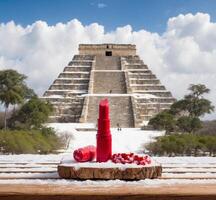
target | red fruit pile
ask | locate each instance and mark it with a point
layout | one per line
(130, 158)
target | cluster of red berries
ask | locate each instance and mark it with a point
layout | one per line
(130, 158)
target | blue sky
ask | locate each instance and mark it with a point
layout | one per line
(151, 15)
(175, 38)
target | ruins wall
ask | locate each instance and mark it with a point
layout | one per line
(116, 49)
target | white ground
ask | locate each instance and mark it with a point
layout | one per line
(127, 140)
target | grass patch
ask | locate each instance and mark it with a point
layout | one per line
(42, 141)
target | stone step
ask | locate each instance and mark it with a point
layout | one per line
(134, 61)
(147, 84)
(77, 69)
(159, 93)
(156, 100)
(141, 76)
(142, 118)
(69, 87)
(143, 111)
(147, 87)
(69, 93)
(68, 110)
(72, 99)
(72, 94)
(130, 67)
(144, 81)
(64, 118)
(145, 115)
(71, 81)
(151, 109)
(83, 57)
(67, 104)
(69, 84)
(80, 63)
(130, 57)
(152, 104)
(139, 71)
(61, 99)
(74, 75)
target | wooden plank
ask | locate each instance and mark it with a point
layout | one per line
(46, 175)
(27, 178)
(188, 177)
(29, 171)
(30, 162)
(131, 192)
(188, 166)
(57, 178)
(27, 167)
(195, 170)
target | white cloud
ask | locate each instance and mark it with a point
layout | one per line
(101, 5)
(185, 53)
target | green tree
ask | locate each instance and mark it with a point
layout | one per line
(184, 114)
(13, 89)
(179, 107)
(32, 114)
(197, 105)
(163, 121)
(188, 124)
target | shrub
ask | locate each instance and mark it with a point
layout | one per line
(183, 144)
(34, 141)
(32, 114)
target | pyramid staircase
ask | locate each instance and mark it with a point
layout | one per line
(134, 92)
(108, 81)
(149, 95)
(66, 92)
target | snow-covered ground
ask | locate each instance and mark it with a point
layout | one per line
(21, 169)
(127, 140)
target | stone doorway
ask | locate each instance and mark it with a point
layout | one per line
(108, 53)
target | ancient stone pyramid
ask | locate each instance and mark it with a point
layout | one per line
(112, 71)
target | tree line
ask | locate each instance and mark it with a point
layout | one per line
(23, 130)
(183, 145)
(183, 125)
(31, 112)
(184, 115)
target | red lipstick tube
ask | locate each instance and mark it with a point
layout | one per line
(104, 138)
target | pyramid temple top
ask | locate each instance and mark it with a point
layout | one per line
(108, 49)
